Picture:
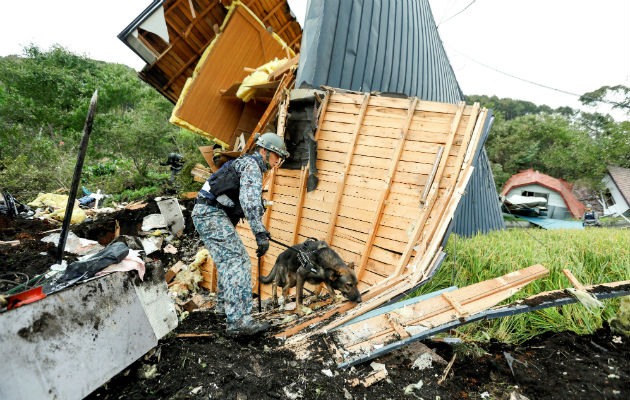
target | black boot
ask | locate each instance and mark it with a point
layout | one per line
(251, 328)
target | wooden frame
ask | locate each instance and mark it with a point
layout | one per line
(375, 156)
(201, 108)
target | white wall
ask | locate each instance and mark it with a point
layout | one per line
(620, 203)
(554, 198)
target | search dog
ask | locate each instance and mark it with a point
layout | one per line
(324, 266)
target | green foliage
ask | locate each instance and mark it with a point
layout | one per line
(563, 143)
(44, 97)
(593, 256)
(548, 143)
(618, 96)
(509, 109)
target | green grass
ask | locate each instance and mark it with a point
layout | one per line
(594, 256)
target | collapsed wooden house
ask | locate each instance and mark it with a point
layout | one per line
(392, 168)
(386, 161)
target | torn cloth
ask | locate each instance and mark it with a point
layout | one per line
(129, 263)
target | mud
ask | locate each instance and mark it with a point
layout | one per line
(213, 366)
(551, 366)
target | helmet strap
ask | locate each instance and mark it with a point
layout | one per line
(267, 159)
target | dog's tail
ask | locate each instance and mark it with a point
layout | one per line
(271, 276)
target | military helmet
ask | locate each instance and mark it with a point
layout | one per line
(273, 142)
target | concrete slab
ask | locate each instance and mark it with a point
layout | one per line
(67, 345)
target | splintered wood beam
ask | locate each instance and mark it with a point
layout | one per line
(433, 194)
(378, 212)
(393, 322)
(455, 304)
(490, 287)
(294, 41)
(269, 111)
(273, 11)
(576, 284)
(346, 166)
(300, 204)
(421, 258)
(283, 111)
(283, 68)
(438, 309)
(468, 134)
(474, 141)
(429, 183)
(271, 181)
(322, 113)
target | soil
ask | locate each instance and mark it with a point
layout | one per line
(551, 366)
(212, 365)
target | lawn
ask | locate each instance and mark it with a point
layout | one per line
(593, 255)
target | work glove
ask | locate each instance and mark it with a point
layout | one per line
(262, 240)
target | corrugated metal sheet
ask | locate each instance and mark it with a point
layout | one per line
(374, 45)
(393, 46)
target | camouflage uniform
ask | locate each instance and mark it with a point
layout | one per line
(225, 246)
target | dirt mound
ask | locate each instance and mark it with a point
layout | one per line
(212, 365)
(552, 366)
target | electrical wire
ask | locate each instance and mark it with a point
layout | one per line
(12, 282)
(456, 14)
(613, 103)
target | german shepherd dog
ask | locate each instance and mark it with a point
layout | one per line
(325, 267)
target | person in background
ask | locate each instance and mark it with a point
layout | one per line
(231, 193)
(590, 217)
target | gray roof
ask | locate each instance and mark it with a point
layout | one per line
(621, 177)
(393, 46)
(375, 45)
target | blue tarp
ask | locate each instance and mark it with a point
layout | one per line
(550, 223)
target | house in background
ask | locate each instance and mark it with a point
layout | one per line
(616, 196)
(561, 203)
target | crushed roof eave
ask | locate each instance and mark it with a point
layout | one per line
(621, 178)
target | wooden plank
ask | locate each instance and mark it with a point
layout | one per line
(436, 310)
(201, 108)
(378, 211)
(393, 322)
(420, 226)
(384, 101)
(350, 153)
(284, 68)
(269, 112)
(471, 125)
(300, 203)
(455, 304)
(576, 284)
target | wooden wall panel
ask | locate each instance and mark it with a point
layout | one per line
(373, 168)
(244, 42)
(190, 35)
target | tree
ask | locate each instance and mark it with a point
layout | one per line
(618, 96)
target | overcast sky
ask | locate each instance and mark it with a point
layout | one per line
(570, 45)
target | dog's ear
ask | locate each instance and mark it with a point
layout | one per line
(351, 265)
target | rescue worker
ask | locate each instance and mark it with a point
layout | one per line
(231, 193)
(590, 217)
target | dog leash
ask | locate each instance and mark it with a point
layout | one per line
(303, 258)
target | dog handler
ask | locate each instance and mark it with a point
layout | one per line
(231, 193)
